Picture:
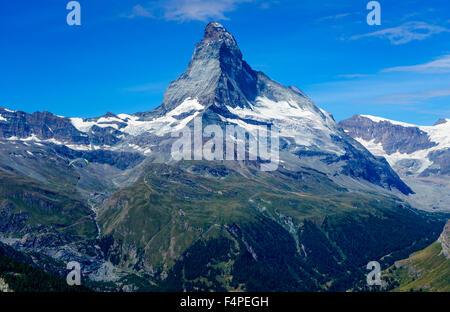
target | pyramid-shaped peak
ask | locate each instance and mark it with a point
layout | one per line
(214, 31)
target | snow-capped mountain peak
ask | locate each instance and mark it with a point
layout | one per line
(215, 32)
(419, 154)
(438, 134)
(230, 91)
(219, 87)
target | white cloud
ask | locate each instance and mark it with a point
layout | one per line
(140, 11)
(411, 98)
(439, 66)
(198, 9)
(187, 10)
(405, 33)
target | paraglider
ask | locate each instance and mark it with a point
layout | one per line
(79, 163)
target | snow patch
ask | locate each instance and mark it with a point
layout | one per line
(38, 141)
(189, 105)
(166, 123)
(439, 134)
(84, 125)
(109, 120)
(377, 150)
(305, 125)
(81, 125)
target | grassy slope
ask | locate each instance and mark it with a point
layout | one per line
(173, 212)
(425, 270)
(169, 208)
(63, 211)
(175, 215)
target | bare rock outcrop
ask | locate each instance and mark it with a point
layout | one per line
(444, 239)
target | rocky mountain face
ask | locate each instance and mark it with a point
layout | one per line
(393, 137)
(444, 239)
(216, 75)
(41, 126)
(419, 154)
(139, 219)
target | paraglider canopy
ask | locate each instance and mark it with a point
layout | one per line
(79, 162)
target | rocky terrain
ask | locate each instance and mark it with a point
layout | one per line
(444, 240)
(419, 154)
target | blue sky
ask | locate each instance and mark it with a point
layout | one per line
(125, 53)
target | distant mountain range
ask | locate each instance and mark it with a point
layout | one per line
(137, 219)
(419, 154)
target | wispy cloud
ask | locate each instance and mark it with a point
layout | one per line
(412, 98)
(350, 76)
(268, 4)
(334, 17)
(149, 87)
(140, 11)
(405, 33)
(188, 10)
(440, 113)
(439, 66)
(201, 10)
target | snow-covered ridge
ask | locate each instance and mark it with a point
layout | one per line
(133, 125)
(266, 109)
(167, 123)
(305, 126)
(377, 150)
(439, 134)
(394, 122)
(33, 138)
